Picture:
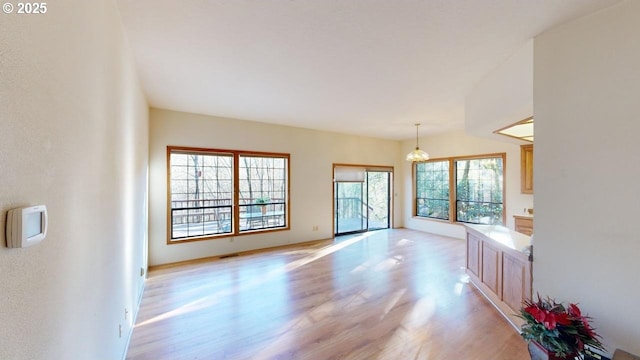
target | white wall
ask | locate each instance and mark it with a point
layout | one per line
(587, 246)
(503, 97)
(312, 156)
(461, 144)
(73, 136)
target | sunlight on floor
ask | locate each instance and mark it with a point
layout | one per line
(362, 267)
(411, 340)
(213, 299)
(387, 264)
(420, 314)
(291, 332)
(325, 251)
(463, 280)
(371, 296)
(392, 302)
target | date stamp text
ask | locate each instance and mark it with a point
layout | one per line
(25, 8)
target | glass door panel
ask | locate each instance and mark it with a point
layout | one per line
(378, 199)
(349, 214)
(362, 206)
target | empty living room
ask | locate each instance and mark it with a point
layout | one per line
(319, 179)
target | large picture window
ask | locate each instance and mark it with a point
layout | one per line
(201, 195)
(432, 189)
(216, 193)
(461, 189)
(479, 184)
(263, 185)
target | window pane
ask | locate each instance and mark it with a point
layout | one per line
(203, 199)
(479, 184)
(263, 192)
(201, 194)
(432, 189)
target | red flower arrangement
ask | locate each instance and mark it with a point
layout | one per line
(562, 330)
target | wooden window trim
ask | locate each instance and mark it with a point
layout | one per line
(415, 197)
(453, 219)
(236, 190)
(382, 168)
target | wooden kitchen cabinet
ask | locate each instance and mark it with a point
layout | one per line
(498, 264)
(516, 280)
(491, 274)
(523, 224)
(473, 255)
(526, 169)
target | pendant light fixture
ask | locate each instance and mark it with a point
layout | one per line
(417, 154)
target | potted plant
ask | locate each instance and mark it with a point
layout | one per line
(556, 331)
(262, 202)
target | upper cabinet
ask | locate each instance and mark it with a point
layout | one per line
(526, 169)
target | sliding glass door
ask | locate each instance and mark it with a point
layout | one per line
(362, 201)
(378, 199)
(350, 214)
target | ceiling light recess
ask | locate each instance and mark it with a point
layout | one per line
(522, 130)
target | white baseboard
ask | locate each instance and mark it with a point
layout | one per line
(134, 317)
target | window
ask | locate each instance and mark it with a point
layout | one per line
(216, 193)
(201, 194)
(432, 189)
(262, 192)
(479, 184)
(474, 185)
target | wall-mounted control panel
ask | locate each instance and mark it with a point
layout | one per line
(26, 226)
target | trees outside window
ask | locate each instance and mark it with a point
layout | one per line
(432, 189)
(461, 189)
(216, 193)
(479, 190)
(263, 192)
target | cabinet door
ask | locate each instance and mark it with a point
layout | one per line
(516, 281)
(473, 254)
(526, 169)
(491, 269)
(523, 225)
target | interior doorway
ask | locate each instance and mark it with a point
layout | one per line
(362, 199)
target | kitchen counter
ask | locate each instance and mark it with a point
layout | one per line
(499, 264)
(502, 235)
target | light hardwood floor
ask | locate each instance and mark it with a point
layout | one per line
(391, 294)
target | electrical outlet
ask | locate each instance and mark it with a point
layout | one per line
(126, 313)
(315, 227)
(119, 330)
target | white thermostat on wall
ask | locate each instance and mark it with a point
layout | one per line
(26, 226)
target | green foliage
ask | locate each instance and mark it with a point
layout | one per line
(558, 328)
(263, 200)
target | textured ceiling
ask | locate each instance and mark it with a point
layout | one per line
(366, 67)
